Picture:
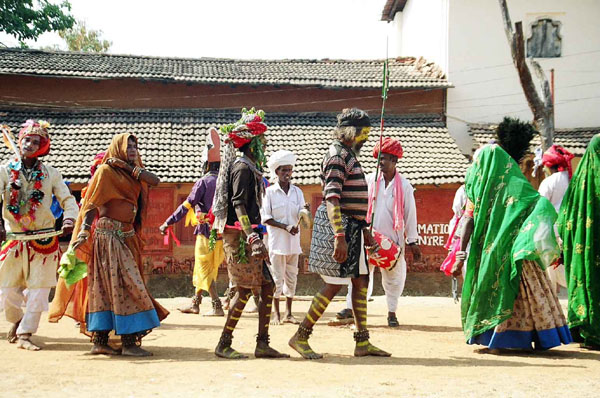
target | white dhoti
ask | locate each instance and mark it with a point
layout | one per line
(26, 277)
(285, 274)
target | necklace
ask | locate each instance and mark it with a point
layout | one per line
(35, 197)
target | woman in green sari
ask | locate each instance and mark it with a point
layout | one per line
(507, 299)
(579, 229)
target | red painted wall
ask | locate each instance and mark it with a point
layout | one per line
(132, 94)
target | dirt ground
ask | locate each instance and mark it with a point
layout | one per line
(430, 359)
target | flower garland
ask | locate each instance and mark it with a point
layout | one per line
(35, 198)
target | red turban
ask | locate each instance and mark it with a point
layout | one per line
(97, 161)
(559, 157)
(389, 146)
(39, 128)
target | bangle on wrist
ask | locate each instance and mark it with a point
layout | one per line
(253, 237)
(339, 235)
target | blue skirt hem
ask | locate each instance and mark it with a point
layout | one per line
(541, 339)
(122, 324)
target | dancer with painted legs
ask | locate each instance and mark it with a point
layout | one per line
(340, 234)
(238, 198)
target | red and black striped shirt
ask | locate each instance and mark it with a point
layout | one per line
(342, 177)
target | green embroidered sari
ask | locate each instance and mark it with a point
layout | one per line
(512, 223)
(579, 229)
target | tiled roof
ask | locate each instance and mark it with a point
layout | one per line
(575, 139)
(390, 9)
(171, 141)
(404, 72)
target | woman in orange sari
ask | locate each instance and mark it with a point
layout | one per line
(71, 300)
(117, 295)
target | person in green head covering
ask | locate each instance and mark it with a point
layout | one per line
(579, 229)
(507, 300)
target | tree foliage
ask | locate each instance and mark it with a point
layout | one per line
(80, 38)
(25, 20)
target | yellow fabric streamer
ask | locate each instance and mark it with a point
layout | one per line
(190, 217)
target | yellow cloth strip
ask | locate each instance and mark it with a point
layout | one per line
(190, 217)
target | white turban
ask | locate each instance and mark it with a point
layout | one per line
(278, 159)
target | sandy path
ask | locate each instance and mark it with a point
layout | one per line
(429, 359)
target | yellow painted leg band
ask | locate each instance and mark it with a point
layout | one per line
(362, 301)
(235, 318)
(313, 309)
(323, 307)
(243, 301)
(360, 309)
(325, 299)
(269, 305)
(237, 310)
(362, 343)
(229, 328)
(310, 318)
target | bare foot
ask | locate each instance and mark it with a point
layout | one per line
(215, 312)
(135, 351)
(12, 333)
(24, 343)
(190, 309)
(289, 318)
(98, 349)
(228, 353)
(303, 348)
(263, 350)
(275, 319)
(368, 349)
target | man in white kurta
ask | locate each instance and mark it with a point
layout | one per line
(385, 220)
(28, 267)
(280, 212)
(557, 162)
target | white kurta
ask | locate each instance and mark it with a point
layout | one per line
(393, 281)
(553, 188)
(284, 248)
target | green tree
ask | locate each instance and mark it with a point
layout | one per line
(80, 38)
(24, 20)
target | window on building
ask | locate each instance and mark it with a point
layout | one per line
(545, 40)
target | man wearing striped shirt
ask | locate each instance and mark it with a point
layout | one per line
(340, 233)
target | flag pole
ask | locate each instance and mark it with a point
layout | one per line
(384, 94)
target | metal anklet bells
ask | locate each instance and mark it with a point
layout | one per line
(263, 338)
(216, 304)
(304, 333)
(225, 340)
(129, 340)
(100, 338)
(361, 335)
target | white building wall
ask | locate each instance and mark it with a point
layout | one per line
(424, 26)
(486, 83)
